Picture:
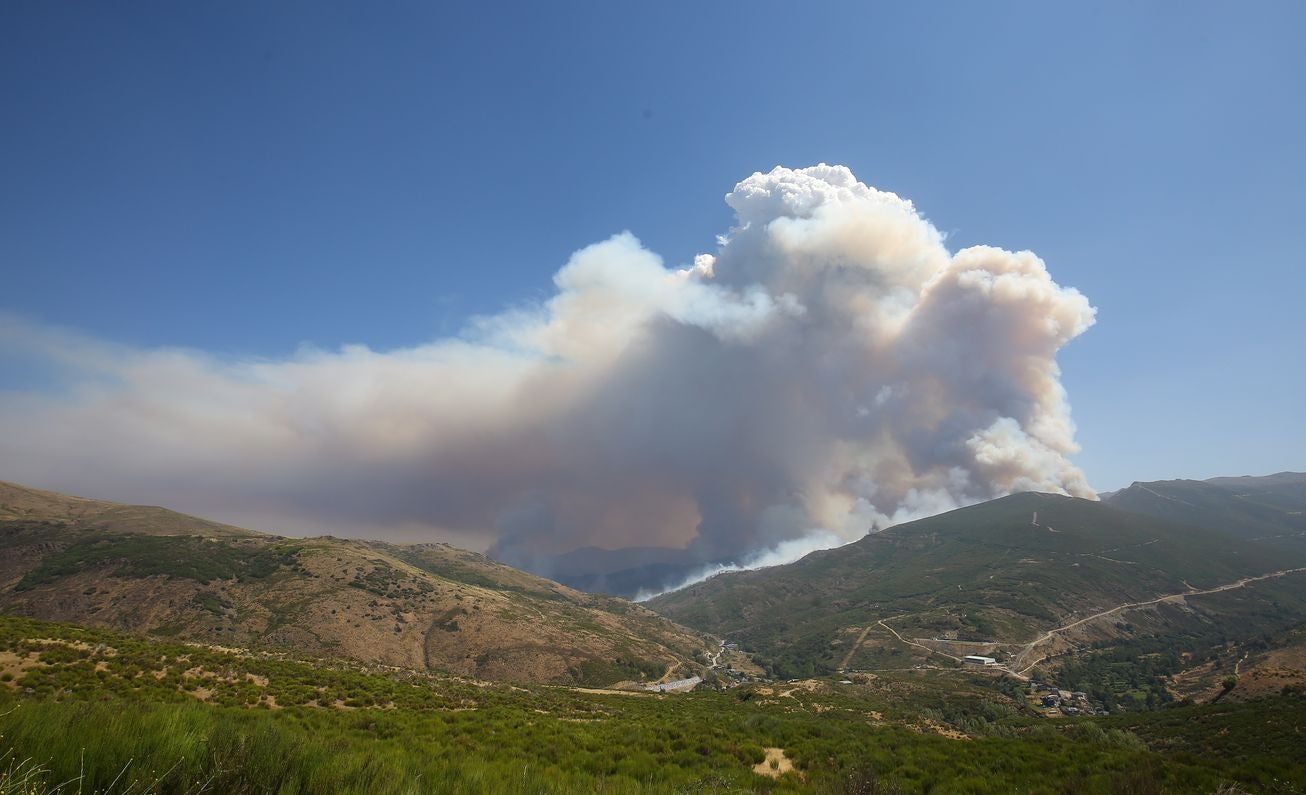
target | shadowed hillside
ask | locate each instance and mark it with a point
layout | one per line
(1270, 508)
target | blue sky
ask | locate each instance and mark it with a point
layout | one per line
(246, 178)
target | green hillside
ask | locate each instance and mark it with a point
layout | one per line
(995, 575)
(100, 711)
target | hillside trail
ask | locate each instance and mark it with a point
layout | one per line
(671, 669)
(1051, 633)
(857, 644)
(914, 643)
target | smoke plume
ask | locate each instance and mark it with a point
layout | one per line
(830, 368)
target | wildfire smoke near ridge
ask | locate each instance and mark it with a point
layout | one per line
(829, 368)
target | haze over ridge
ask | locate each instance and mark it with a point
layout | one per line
(830, 368)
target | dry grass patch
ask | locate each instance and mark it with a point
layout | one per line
(775, 765)
(15, 665)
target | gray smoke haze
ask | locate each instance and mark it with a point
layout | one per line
(831, 367)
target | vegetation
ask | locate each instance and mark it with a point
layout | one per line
(432, 606)
(92, 707)
(1269, 509)
(1132, 676)
(1134, 671)
(186, 557)
(1257, 743)
(95, 710)
(598, 673)
(1002, 571)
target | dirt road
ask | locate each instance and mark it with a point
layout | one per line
(914, 643)
(857, 644)
(1051, 633)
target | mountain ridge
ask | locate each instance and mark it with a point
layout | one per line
(432, 606)
(1250, 506)
(994, 575)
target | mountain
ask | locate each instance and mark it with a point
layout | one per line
(19, 504)
(151, 570)
(1023, 578)
(1254, 507)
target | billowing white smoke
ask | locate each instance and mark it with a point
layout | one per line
(781, 553)
(831, 367)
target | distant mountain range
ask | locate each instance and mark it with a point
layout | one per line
(1259, 505)
(1203, 573)
(431, 606)
(1247, 506)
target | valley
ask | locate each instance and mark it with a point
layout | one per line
(620, 398)
(1116, 648)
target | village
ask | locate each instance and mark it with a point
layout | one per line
(1056, 702)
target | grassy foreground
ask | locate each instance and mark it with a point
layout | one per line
(95, 711)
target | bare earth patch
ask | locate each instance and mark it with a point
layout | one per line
(1260, 675)
(605, 692)
(806, 686)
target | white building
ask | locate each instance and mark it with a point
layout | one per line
(975, 659)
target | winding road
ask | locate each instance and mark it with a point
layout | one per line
(914, 643)
(1029, 648)
(716, 658)
(1051, 633)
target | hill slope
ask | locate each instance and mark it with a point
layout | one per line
(991, 578)
(1263, 508)
(20, 504)
(155, 571)
(91, 708)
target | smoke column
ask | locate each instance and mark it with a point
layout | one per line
(831, 367)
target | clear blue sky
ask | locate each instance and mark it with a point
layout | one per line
(246, 177)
